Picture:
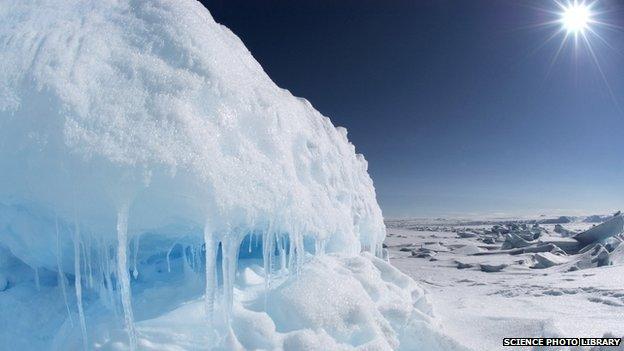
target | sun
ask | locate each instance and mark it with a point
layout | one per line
(576, 17)
(585, 27)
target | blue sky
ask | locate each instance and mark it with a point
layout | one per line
(457, 105)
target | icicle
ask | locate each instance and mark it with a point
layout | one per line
(88, 261)
(104, 279)
(123, 274)
(108, 278)
(291, 252)
(78, 284)
(229, 259)
(168, 258)
(135, 271)
(84, 267)
(300, 253)
(319, 247)
(194, 258)
(61, 276)
(295, 257)
(282, 253)
(267, 247)
(211, 253)
(185, 266)
(63, 285)
(101, 274)
(37, 283)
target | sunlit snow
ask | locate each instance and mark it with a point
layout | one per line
(158, 191)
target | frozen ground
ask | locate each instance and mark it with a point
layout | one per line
(479, 309)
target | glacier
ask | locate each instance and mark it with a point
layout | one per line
(159, 191)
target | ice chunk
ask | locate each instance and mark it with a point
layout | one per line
(182, 122)
(548, 259)
(155, 102)
(616, 257)
(595, 219)
(569, 245)
(593, 256)
(492, 268)
(611, 227)
(423, 253)
(463, 265)
(465, 234)
(513, 241)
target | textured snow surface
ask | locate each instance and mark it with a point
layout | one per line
(479, 309)
(159, 191)
(336, 303)
(154, 107)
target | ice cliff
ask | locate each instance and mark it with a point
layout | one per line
(147, 161)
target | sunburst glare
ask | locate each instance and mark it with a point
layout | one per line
(582, 26)
(576, 17)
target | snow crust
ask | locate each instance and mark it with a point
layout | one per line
(534, 295)
(159, 191)
(153, 108)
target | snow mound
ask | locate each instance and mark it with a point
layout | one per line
(153, 109)
(337, 303)
(148, 161)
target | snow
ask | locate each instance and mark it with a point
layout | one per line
(158, 191)
(364, 311)
(527, 298)
(153, 104)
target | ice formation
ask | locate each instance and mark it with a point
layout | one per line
(146, 160)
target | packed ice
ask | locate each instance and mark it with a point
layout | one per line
(533, 276)
(159, 191)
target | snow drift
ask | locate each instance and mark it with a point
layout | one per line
(146, 161)
(152, 111)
